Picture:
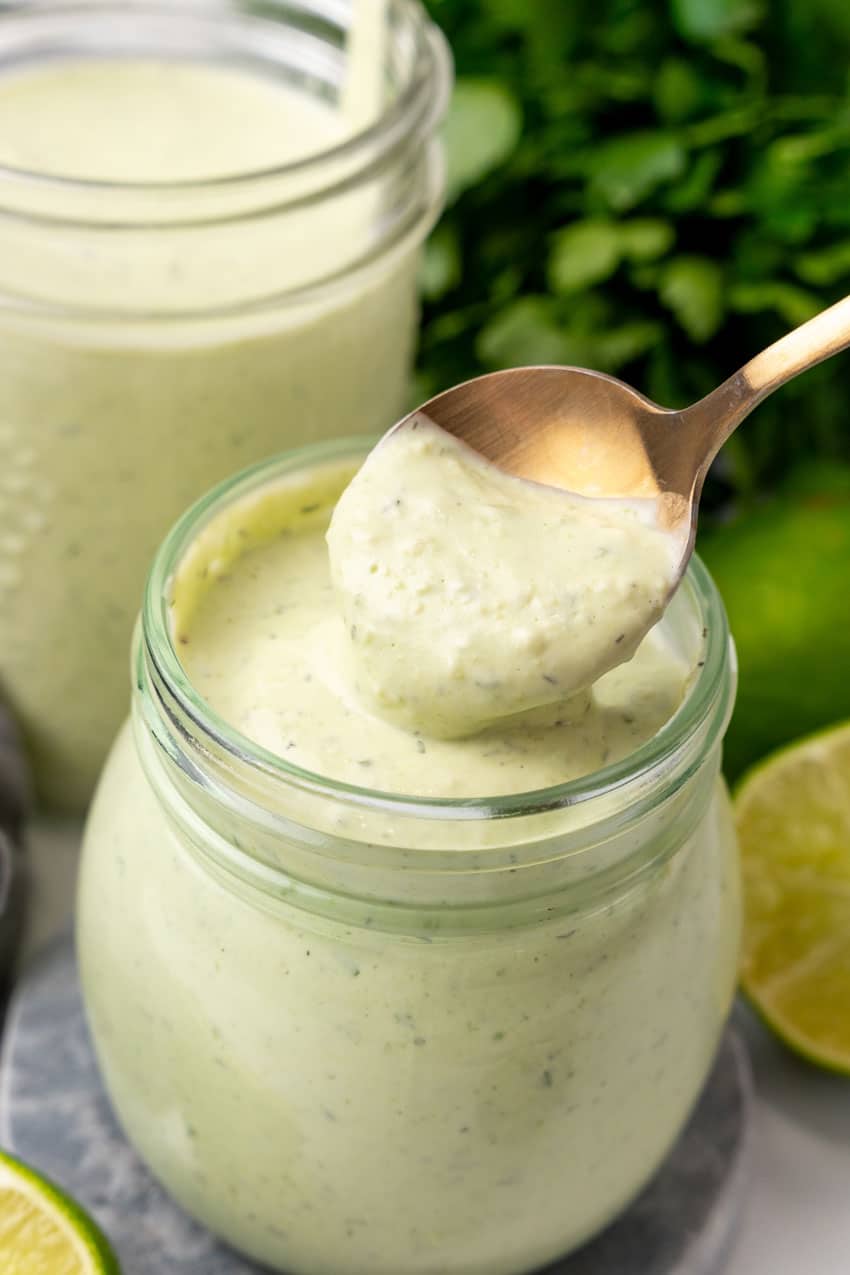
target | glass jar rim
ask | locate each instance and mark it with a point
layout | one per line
(703, 712)
(416, 106)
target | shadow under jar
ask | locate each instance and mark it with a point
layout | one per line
(210, 219)
(358, 1033)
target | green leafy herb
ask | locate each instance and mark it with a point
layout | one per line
(482, 129)
(656, 188)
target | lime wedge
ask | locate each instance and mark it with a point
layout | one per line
(793, 816)
(42, 1232)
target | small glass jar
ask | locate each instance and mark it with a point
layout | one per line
(353, 1031)
(157, 335)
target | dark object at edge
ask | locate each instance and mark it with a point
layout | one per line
(15, 800)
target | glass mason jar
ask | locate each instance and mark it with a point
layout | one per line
(157, 335)
(353, 1031)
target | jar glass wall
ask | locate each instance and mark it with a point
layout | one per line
(352, 1031)
(157, 333)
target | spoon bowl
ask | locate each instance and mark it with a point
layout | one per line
(595, 436)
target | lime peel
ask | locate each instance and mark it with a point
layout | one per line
(43, 1231)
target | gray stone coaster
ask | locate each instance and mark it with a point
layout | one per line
(55, 1115)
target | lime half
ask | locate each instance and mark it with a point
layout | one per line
(793, 816)
(42, 1232)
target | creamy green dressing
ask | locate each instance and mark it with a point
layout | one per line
(264, 642)
(470, 596)
(113, 422)
(359, 1042)
(148, 120)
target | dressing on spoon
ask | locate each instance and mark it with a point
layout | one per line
(471, 596)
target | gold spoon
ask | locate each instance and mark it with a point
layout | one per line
(593, 435)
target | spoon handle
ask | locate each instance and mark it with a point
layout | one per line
(715, 417)
(822, 336)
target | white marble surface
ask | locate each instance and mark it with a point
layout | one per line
(796, 1220)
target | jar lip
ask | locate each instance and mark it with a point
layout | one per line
(704, 697)
(416, 103)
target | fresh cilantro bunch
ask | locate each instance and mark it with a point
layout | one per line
(653, 188)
